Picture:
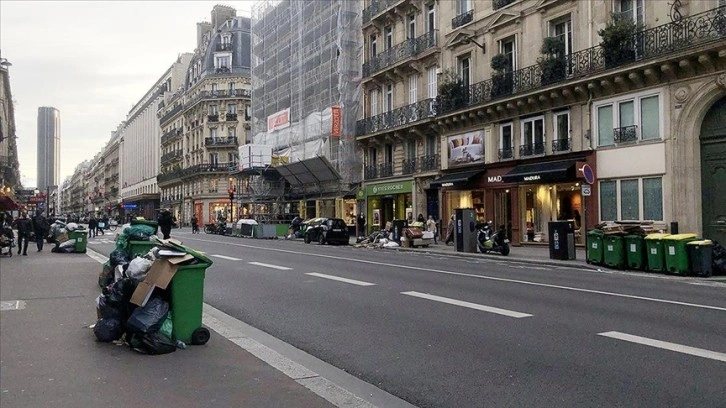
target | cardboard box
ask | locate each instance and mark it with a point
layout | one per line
(159, 275)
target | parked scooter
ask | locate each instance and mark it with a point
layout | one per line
(488, 240)
(218, 229)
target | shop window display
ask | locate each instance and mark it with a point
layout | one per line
(545, 203)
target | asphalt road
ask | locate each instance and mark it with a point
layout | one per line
(442, 331)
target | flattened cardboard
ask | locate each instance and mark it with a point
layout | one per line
(159, 275)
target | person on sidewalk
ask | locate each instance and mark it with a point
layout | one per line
(165, 222)
(195, 224)
(431, 227)
(450, 230)
(40, 228)
(25, 229)
(92, 226)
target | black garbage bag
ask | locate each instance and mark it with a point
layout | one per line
(105, 277)
(148, 318)
(115, 299)
(118, 257)
(107, 330)
(151, 343)
(718, 259)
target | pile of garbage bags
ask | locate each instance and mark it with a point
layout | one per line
(121, 256)
(59, 235)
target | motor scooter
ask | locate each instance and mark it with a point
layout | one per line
(488, 240)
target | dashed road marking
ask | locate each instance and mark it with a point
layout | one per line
(282, 268)
(679, 348)
(229, 258)
(339, 279)
(476, 306)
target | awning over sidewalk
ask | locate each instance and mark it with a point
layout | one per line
(7, 203)
(462, 177)
(539, 172)
(317, 170)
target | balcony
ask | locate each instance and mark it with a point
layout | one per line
(398, 117)
(429, 163)
(230, 117)
(497, 4)
(385, 170)
(506, 153)
(223, 94)
(224, 47)
(194, 170)
(176, 109)
(213, 118)
(222, 70)
(698, 29)
(409, 166)
(626, 134)
(220, 141)
(171, 156)
(562, 145)
(531, 149)
(375, 8)
(170, 136)
(462, 19)
(401, 51)
(370, 172)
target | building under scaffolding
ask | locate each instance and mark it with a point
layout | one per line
(306, 60)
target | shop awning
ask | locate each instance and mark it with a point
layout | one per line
(317, 170)
(7, 203)
(542, 172)
(462, 177)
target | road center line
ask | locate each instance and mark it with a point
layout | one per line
(227, 257)
(282, 268)
(521, 282)
(339, 279)
(713, 355)
(476, 306)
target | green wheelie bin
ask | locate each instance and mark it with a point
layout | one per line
(594, 247)
(187, 299)
(81, 237)
(635, 252)
(614, 251)
(134, 248)
(701, 255)
(654, 247)
(676, 255)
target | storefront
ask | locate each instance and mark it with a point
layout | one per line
(460, 190)
(501, 201)
(386, 202)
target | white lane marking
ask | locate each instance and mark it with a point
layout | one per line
(483, 308)
(96, 256)
(521, 282)
(713, 355)
(227, 257)
(339, 279)
(282, 268)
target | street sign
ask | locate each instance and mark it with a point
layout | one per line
(588, 173)
(586, 190)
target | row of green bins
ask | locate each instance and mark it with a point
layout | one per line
(656, 257)
(81, 237)
(614, 251)
(594, 247)
(701, 254)
(676, 256)
(187, 299)
(636, 257)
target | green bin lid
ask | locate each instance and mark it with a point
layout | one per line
(680, 237)
(705, 242)
(657, 236)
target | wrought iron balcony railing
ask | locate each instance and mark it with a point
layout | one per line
(171, 136)
(195, 170)
(702, 28)
(230, 117)
(213, 118)
(171, 156)
(385, 170)
(375, 8)
(398, 117)
(370, 172)
(531, 149)
(625, 134)
(497, 4)
(561, 145)
(461, 19)
(430, 162)
(401, 51)
(506, 153)
(220, 141)
(409, 166)
(224, 47)
(176, 109)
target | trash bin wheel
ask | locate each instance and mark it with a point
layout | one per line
(200, 336)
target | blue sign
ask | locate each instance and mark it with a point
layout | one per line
(129, 206)
(588, 173)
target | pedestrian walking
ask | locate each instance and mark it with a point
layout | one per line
(25, 230)
(431, 227)
(450, 230)
(92, 226)
(40, 228)
(165, 221)
(195, 224)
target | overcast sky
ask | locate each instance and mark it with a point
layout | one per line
(92, 60)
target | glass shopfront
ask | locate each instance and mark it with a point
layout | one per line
(387, 202)
(542, 203)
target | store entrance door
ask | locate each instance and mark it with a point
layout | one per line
(503, 211)
(387, 210)
(713, 172)
(432, 204)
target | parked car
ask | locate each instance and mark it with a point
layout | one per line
(327, 230)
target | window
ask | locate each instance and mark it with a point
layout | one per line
(232, 132)
(411, 26)
(372, 156)
(465, 70)
(214, 159)
(629, 120)
(213, 110)
(430, 18)
(631, 199)
(388, 99)
(432, 81)
(388, 32)
(231, 108)
(389, 153)
(412, 88)
(222, 61)
(533, 136)
(213, 185)
(431, 142)
(231, 157)
(561, 138)
(411, 150)
(505, 141)
(214, 88)
(507, 47)
(231, 87)
(462, 7)
(213, 133)
(632, 9)
(562, 29)
(374, 102)
(373, 46)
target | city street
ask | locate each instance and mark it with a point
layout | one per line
(446, 331)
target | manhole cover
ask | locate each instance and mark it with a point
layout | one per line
(12, 305)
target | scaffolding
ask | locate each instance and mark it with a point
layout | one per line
(306, 62)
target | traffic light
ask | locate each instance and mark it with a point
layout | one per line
(231, 193)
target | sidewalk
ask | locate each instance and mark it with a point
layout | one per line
(50, 357)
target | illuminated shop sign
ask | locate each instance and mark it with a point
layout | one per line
(494, 179)
(532, 178)
(389, 188)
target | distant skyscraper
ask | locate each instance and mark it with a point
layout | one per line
(48, 147)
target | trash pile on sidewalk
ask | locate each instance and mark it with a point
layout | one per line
(378, 239)
(152, 293)
(68, 238)
(640, 228)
